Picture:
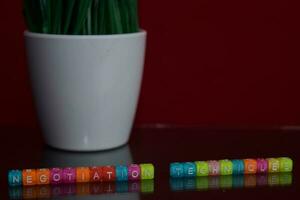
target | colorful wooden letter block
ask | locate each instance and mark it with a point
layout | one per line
(109, 173)
(250, 166)
(176, 170)
(201, 168)
(273, 165)
(55, 176)
(262, 165)
(134, 172)
(69, 175)
(147, 171)
(225, 167)
(213, 167)
(43, 176)
(286, 164)
(121, 173)
(189, 169)
(238, 167)
(29, 177)
(96, 174)
(15, 178)
(82, 174)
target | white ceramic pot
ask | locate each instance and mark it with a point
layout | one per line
(86, 88)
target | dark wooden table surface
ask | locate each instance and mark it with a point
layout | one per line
(24, 148)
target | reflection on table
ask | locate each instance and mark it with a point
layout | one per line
(84, 191)
(229, 182)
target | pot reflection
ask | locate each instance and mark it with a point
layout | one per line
(56, 158)
(229, 182)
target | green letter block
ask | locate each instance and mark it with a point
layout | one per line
(286, 164)
(147, 171)
(273, 165)
(201, 168)
(225, 167)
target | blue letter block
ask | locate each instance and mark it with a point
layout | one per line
(121, 173)
(176, 170)
(238, 167)
(189, 169)
(15, 178)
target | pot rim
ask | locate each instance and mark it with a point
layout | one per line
(27, 33)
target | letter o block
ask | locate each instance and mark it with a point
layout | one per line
(250, 166)
(286, 164)
(82, 174)
(134, 172)
(43, 176)
(176, 170)
(225, 167)
(273, 165)
(29, 177)
(15, 178)
(147, 171)
(201, 168)
(109, 173)
(56, 176)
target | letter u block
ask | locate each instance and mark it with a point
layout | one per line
(15, 178)
(225, 167)
(43, 176)
(176, 170)
(262, 166)
(273, 165)
(147, 171)
(286, 164)
(250, 166)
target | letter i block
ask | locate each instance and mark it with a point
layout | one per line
(96, 174)
(15, 178)
(147, 171)
(213, 167)
(121, 173)
(250, 166)
(69, 175)
(189, 169)
(29, 177)
(273, 165)
(134, 172)
(55, 176)
(238, 167)
(262, 166)
(43, 176)
(225, 167)
(201, 168)
(109, 173)
(82, 174)
(286, 164)
(176, 170)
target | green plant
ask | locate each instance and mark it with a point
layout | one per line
(81, 17)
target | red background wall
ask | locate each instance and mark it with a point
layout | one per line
(209, 62)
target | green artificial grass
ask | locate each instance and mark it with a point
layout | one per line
(81, 17)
